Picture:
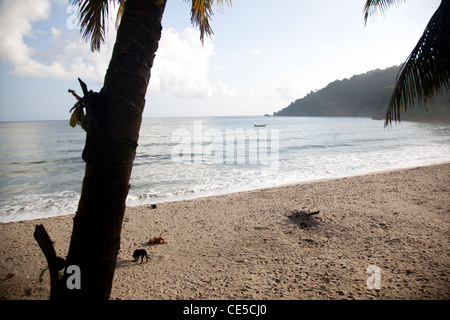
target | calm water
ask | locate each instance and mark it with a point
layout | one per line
(180, 158)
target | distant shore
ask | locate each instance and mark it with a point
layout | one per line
(377, 236)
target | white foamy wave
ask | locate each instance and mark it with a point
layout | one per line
(35, 206)
(301, 149)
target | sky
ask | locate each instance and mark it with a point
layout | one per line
(264, 54)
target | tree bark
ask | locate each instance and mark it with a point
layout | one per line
(113, 118)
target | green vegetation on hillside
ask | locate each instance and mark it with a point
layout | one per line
(363, 95)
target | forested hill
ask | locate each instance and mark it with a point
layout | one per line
(363, 95)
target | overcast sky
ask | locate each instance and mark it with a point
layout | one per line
(264, 55)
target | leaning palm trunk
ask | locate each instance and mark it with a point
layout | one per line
(113, 119)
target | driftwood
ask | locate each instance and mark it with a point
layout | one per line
(55, 264)
(304, 218)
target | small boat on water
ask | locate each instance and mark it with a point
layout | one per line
(260, 125)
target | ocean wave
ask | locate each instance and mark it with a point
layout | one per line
(35, 206)
(30, 187)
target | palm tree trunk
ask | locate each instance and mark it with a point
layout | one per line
(113, 121)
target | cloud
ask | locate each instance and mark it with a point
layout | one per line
(67, 57)
(181, 64)
(74, 54)
(16, 18)
(255, 51)
(291, 90)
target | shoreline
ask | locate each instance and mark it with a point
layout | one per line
(256, 189)
(243, 245)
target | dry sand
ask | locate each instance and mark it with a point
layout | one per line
(244, 245)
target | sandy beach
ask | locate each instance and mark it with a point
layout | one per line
(391, 226)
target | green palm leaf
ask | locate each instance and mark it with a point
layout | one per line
(94, 13)
(93, 18)
(426, 72)
(201, 12)
(373, 6)
(120, 12)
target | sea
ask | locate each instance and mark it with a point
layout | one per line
(41, 169)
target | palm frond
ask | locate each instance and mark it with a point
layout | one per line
(426, 72)
(93, 17)
(201, 12)
(120, 12)
(373, 6)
